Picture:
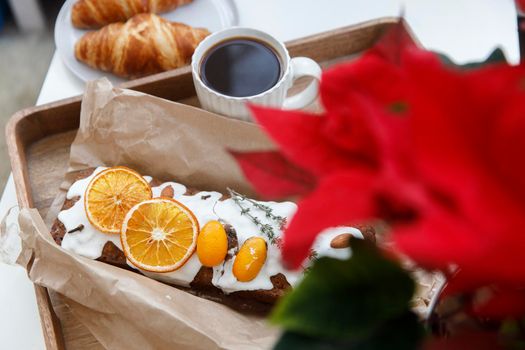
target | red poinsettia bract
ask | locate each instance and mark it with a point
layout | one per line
(438, 152)
(520, 4)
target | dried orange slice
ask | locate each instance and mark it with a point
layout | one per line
(111, 194)
(159, 235)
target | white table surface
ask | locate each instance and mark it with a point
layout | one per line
(466, 30)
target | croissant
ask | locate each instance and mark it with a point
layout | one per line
(92, 14)
(146, 44)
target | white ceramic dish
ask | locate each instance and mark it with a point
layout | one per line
(292, 69)
(211, 14)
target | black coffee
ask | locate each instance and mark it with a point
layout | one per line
(240, 67)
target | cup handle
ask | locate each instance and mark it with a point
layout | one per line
(301, 67)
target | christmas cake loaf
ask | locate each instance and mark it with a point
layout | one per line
(224, 247)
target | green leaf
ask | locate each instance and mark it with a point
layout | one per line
(497, 56)
(347, 300)
(297, 341)
(402, 333)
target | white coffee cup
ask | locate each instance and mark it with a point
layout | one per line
(292, 69)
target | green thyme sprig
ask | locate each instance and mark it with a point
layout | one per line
(266, 229)
(268, 212)
(313, 255)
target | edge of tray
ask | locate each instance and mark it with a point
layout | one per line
(51, 328)
(17, 144)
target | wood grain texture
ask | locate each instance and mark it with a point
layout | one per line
(74, 333)
(39, 138)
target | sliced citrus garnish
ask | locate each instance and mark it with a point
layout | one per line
(250, 259)
(159, 235)
(111, 194)
(212, 244)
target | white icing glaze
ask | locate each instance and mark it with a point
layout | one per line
(89, 242)
(180, 277)
(206, 206)
(322, 242)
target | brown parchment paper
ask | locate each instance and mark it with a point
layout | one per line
(169, 141)
(166, 140)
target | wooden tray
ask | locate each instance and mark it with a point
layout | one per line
(39, 139)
